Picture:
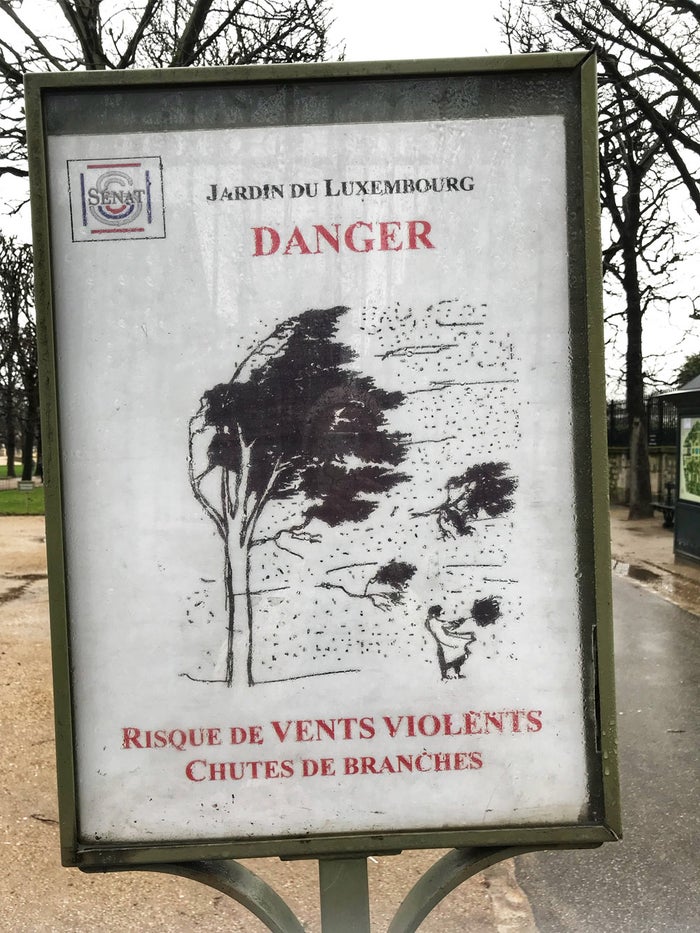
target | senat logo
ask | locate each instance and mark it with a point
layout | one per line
(116, 199)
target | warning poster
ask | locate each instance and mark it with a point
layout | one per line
(318, 478)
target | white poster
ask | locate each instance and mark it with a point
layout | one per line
(315, 411)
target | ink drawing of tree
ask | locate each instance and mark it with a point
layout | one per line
(482, 492)
(294, 423)
(392, 577)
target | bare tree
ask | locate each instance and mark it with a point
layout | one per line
(650, 50)
(60, 35)
(649, 133)
(19, 395)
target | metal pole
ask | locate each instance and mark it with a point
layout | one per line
(344, 892)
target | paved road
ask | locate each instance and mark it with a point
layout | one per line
(649, 882)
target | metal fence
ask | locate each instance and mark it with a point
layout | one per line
(662, 423)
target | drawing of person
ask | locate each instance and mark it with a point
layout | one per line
(452, 642)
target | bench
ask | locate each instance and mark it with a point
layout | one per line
(668, 506)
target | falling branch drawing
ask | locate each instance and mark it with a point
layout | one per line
(482, 492)
(394, 576)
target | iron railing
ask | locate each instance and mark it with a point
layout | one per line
(662, 423)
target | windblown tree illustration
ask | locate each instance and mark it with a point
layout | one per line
(393, 578)
(482, 492)
(296, 422)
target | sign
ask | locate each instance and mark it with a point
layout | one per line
(689, 470)
(325, 475)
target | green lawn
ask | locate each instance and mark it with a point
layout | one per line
(14, 502)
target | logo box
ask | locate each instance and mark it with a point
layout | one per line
(116, 199)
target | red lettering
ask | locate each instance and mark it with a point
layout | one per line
(495, 720)
(443, 761)
(217, 772)
(323, 233)
(351, 765)
(392, 727)
(189, 770)
(347, 725)
(367, 730)
(253, 765)
(328, 727)
(303, 733)
(471, 726)
(280, 730)
(415, 234)
(419, 760)
(130, 738)
(534, 720)
(255, 735)
(263, 234)
(297, 241)
(387, 237)
(309, 767)
(429, 725)
(367, 244)
(449, 725)
(239, 735)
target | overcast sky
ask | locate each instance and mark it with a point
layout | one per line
(388, 29)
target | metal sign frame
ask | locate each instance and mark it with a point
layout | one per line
(506, 85)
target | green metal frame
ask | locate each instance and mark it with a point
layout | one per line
(593, 533)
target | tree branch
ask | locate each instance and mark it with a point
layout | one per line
(127, 59)
(183, 53)
(83, 19)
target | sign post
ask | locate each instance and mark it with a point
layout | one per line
(325, 461)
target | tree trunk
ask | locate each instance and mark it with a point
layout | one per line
(239, 641)
(29, 436)
(39, 455)
(10, 427)
(10, 448)
(640, 479)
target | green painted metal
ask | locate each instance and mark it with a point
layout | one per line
(163, 77)
(581, 67)
(58, 606)
(242, 885)
(343, 888)
(108, 857)
(603, 635)
(344, 892)
(443, 877)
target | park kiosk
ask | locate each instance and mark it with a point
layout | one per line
(323, 412)
(686, 521)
